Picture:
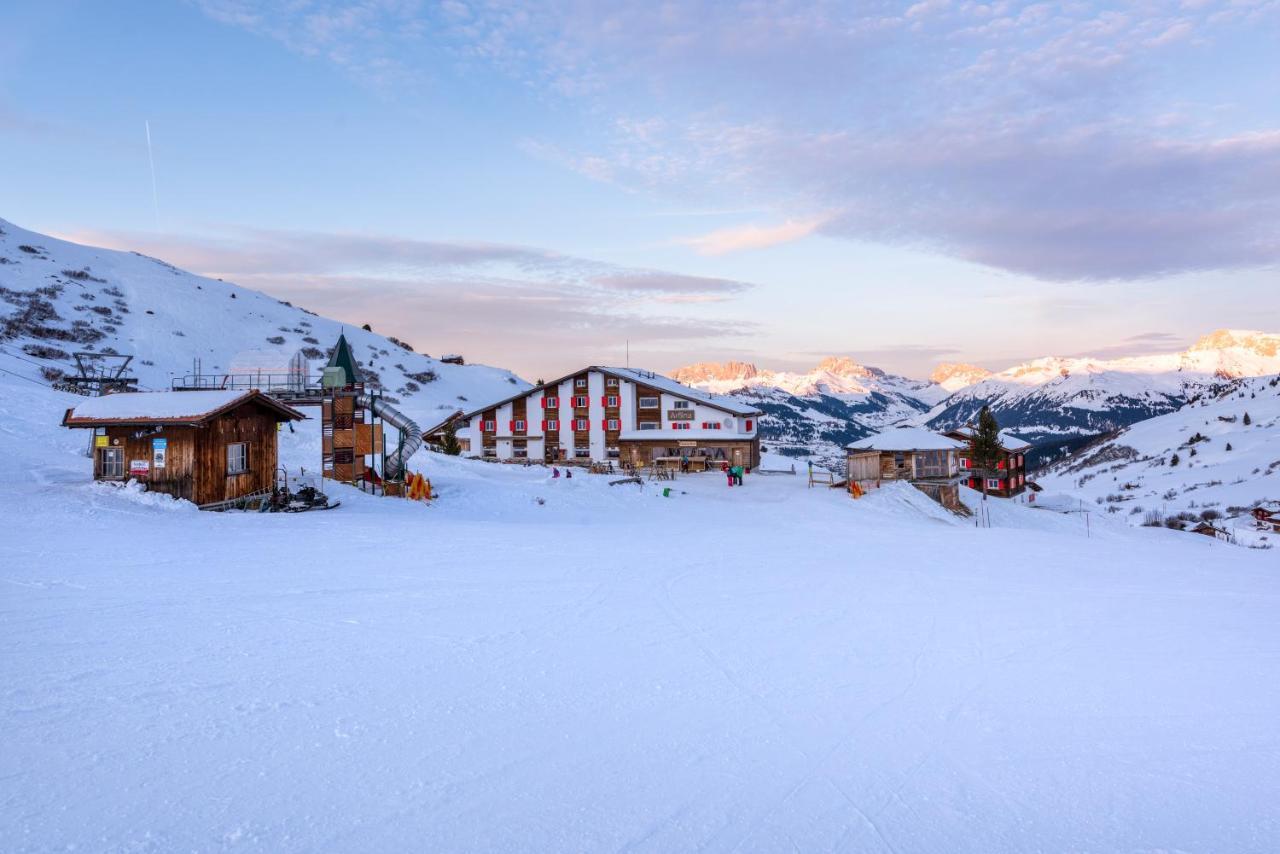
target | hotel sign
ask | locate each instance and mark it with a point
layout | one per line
(679, 414)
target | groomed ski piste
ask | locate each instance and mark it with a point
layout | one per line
(538, 664)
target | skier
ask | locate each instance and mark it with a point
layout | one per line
(728, 472)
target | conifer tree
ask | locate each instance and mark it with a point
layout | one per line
(986, 441)
(1247, 420)
(1174, 460)
(449, 444)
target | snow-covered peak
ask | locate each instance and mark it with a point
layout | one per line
(1261, 343)
(954, 376)
(717, 372)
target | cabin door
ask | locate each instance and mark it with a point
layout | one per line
(737, 456)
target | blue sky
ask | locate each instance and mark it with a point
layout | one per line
(533, 185)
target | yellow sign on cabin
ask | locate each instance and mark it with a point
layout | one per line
(100, 441)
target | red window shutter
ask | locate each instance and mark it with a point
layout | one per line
(544, 424)
(748, 425)
(604, 401)
(511, 425)
(544, 403)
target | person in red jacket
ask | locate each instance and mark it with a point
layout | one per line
(728, 472)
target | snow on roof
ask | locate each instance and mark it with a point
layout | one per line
(906, 439)
(159, 405)
(670, 386)
(1008, 441)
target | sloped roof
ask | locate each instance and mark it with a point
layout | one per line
(1008, 441)
(670, 386)
(906, 439)
(168, 407)
(343, 358)
(724, 403)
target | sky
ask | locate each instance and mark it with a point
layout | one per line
(541, 186)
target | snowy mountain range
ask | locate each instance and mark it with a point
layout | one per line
(1054, 401)
(57, 298)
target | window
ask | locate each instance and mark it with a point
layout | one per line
(993, 483)
(580, 382)
(611, 400)
(237, 458)
(648, 403)
(520, 453)
(899, 459)
(112, 462)
(581, 424)
(581, 452)
(680, 425)
(681, 404)
(611, 453)
(518, 424)
(551, 424)
(965, 463)
(649, 425)
(581, 401)
(489, 426)
(491, 452)
(551, 403)
(611, 382)
(612, 424)
(710, 425)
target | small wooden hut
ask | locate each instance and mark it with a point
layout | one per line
(927, 460)
(205, 446)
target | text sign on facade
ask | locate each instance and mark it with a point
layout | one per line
(101, 441)
(139, 468)
(159, 450)
(679, 414)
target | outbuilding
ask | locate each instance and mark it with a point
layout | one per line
(205, 446)
(927, 460)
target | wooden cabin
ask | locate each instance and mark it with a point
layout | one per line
(927, 460)
(1008, 478)
(204, 446)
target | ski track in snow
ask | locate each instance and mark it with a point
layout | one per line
(726, 670)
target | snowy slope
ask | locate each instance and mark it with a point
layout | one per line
(492, 673)
(1056, 397)
(1222, 463)
(58, 297)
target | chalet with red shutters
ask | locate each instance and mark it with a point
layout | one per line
(1009, 478)
(600, 414)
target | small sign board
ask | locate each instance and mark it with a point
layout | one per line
(679, 414)
(688, 444)
(159, 450)
(101, 441)
(139, 468)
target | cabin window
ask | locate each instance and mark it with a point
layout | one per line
(237, 458)
(993, 483)
(520, 453)
(649, 425)
(582, 452)
(581, 424)
(551, 403)
(612, 424)
(518, 424)
(581, 401)
(680, 404)
(111, 462)
(899, 459)
(580, 382)
(648, 403)
(611, 400)
(611, 453)
(611, 382)
(680, 425)
(964, 463)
